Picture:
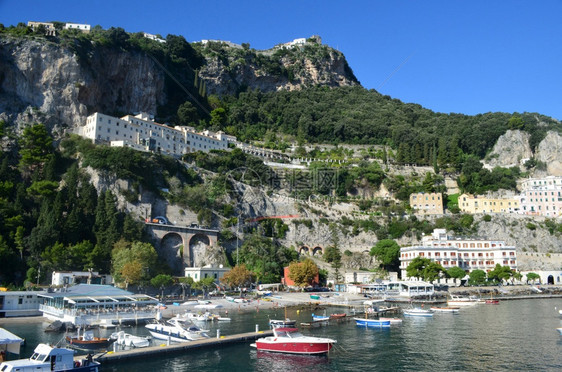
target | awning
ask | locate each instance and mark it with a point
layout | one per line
(9, 341)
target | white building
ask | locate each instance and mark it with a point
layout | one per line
(62, 278)
(153, 37)
(546, 276)
(468, 254)
(198, 273)
(19, 303)
(142, 133)
(393, 288)
(541, 196)
(77, 26)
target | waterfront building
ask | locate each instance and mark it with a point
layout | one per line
(393, 288)
(427, 203)
(546, 276)
(142, 133)
(65, 278)
(481, 204)
(468, 254)
(542, 196)
(208, 271)
(19, 303)
(94, 304)
(286, 281)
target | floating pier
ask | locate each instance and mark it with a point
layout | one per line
(164, 348)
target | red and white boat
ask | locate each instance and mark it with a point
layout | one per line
(290, 340)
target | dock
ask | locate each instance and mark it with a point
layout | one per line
(165, 349)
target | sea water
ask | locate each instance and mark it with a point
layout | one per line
(518, 335)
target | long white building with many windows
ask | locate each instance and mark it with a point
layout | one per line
(468, 254)
(142, 133)
(542, 196)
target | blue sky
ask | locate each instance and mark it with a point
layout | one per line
(449, 56)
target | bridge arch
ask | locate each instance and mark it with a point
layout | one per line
(171, 250)
(317, 251)
(197, 246)
(304, 250)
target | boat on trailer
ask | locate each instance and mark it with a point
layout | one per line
(291, 341)
(47, 358)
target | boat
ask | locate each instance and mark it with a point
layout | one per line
(290, 340)
(446, 309)
(278, 323)
(127, 339)
(559, 331)
(177, 329)
(392, 320)
(462, 301)
(320, 317)
(338, 316)
(314, 297)
(46, 358)
(371, 322)
(88, 341)
(492, 302)
(418, 312)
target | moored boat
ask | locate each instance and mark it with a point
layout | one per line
(177, 329)
(46, 358)
(87, 341)
(462, 301)
(319, 317)
(559, 331)
(279, 323)
(338, 316)
(392, 320)
(492, 302)
(371, 322)
(446, 309)
(126, 339)
(290, 340)
(418, 312)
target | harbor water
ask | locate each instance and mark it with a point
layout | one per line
(517, 335)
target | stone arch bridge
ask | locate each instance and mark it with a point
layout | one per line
(176, 244)
(311, 250)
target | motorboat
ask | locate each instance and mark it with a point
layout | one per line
(463, 301)
(446, 309)
(127, 339)
(391, 320)
(280, 323)
(199, 317)
(87, 341)
(177, 329)
(418, 312)
(46, 358)
(492, 302)
(320, 317)
(371, 322)
(290, 340)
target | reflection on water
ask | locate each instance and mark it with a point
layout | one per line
(512, 336)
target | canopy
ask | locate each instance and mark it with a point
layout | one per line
(9, 341)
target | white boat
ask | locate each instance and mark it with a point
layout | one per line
(47, 359)
(559, 331)
(177, 329)
(446, 309)
(126, 339)
(463, 301)
(291, 341)
(199, 317)
(418, 312)
(279, 323)
(391, 320)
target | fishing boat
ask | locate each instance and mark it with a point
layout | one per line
(177, 329)
(320, 317)
(126, 339)
(418, 312)
(446, 309)
(282, 323)
(46, 358)
(371, 322)
(291, 341)
(492, 302)
(338, 316)
(87, 341)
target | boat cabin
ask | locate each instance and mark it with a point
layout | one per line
(45, 358)
(287, 332)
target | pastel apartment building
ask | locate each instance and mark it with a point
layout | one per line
(480, 204)
(142, 133)
(427, 203)
(468, 254)
(542, 196)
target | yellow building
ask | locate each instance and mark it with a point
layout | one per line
(480, 204)
(427, 203)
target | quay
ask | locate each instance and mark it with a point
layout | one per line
(164, 349)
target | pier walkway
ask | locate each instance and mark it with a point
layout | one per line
(163, 349)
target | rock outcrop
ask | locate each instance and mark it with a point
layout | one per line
(510, 150)
(549, 152)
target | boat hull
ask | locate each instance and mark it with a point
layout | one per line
(448, 309)
(291, 347)
(89, 345)
(418, 314)
(372, 322)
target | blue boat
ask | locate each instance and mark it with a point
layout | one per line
(320, 317)
(372, 322)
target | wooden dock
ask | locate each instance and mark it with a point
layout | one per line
(175, 348)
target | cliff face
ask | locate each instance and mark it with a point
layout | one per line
(42, 77)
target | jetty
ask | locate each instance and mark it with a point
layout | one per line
(165, 348)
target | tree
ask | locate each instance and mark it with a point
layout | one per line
(432, 271)
(456, 273)
(204, 285)
(187, 113)
(477, 277)
(161, 281)
(130, 257)
(500, 273)
(303, 273)
(238, 276)
(532, 277)
(186, 282)
(131, 273)
(416, 268)
(36, 147)
(387, 252)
